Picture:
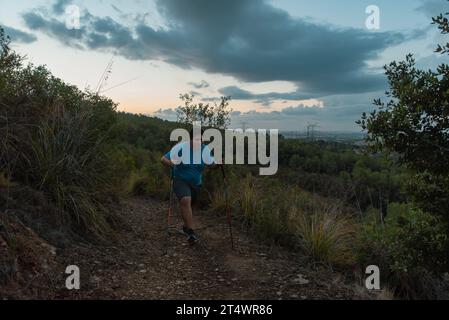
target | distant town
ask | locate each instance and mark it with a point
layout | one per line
(312, 134)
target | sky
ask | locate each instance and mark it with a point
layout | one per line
(285, 63)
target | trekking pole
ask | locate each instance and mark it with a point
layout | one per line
(228, 209)
(170, 212)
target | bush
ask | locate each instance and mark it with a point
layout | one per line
(409, 247)
(218, 201)
(67, 157)
(61, 142)
(326, 236)
(431, 194)
(290, 216)
(150, 181)
(295, 162)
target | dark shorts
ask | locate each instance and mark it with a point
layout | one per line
(184, 189)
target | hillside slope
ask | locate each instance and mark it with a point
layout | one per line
(135, 266)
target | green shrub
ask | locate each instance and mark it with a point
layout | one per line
(218, 201)
(290, 216)
(152, 180)
(431, 194)
(295, 162)
(410, 245)
(61, 142)
(66, 155)
(326, 235)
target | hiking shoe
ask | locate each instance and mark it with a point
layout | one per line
(190, 234)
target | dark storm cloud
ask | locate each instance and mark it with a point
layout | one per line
(256, 42)
(302, 110)
(94, 32)
(263, 98)
(18, 35)
(248, 39)
(55, 28)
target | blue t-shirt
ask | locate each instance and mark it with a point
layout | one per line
(191, 163)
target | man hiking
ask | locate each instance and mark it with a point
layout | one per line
(188, 176)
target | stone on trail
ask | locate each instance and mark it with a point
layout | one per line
(301, 280)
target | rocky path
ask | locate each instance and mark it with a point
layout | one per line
(135, 266)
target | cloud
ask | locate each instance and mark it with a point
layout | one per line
(265, 99)
(334, 113)
(60, 5)
(18, 35)
(432, 8)
(250, 40)
(166, 114)
(302, 110)
(297, 118)
(256, 42)
(170, 112)
(94, 33)
(289, 112)
(200, 85)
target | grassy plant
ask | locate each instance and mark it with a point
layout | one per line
(326, 236)
(65, 156)
(276, 212)
(218, 201)
(248, 199)
(61, 142)
(4, 180)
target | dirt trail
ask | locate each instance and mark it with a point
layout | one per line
(135, 267)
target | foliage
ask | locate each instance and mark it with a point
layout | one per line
(75, 149)
(342, 171)
(9, 60)
(408, 245)
(60, 141)
(215, 116)
(430, 193)
(443, 25)
(327, 235)
(414, 124)
(274, 212)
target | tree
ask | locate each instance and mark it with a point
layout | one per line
(9, 60)
(295, 162)
(414, 124)
(216, 116)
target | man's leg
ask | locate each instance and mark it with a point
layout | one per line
(186, 212)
